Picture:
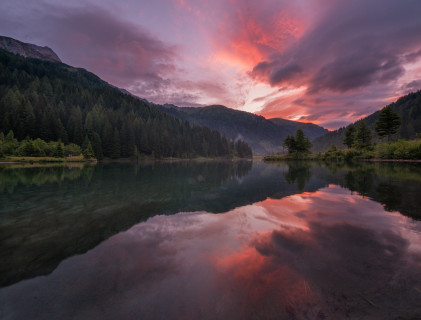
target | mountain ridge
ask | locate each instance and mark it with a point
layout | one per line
(55, 101)
(263, 135)
(409, 109)
(28, 50)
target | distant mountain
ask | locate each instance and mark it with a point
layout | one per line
(263, 135)
(51, 100)
(28, 50)
(310, 129)
(409, 109)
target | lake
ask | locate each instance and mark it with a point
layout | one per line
(211, 240)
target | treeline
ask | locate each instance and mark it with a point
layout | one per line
(359, 141)
(10, 146)
(407, 107)
(53, 101)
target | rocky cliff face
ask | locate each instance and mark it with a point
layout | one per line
(28, 50)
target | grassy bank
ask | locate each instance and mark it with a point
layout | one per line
(17, 159)
(400, 150)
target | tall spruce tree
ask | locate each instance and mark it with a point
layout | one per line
(88, 153)
(363, 136)
(299, 144)
(302, 143)
(115, 153)
(388, 123)
(349, 136)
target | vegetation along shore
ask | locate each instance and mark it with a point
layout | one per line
(359, 142)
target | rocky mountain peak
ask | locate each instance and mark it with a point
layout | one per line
(28, 49)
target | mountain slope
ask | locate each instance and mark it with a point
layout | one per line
(310, 129)
(263, 135)
(28, 50)
(52, 101)
(409, 109)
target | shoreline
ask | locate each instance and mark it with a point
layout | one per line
(271, 158)
(389, 160)
(45, 160)
(41, 160)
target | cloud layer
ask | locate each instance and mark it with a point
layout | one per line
(326, 61)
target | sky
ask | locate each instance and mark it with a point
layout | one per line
(330, 62)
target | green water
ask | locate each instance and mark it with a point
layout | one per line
(211, 240)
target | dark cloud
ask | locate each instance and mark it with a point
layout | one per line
(115, 49)
(412, 86)
(97, 39)
(285, 73)
(276, 73)
(355, 44)
(351, 72)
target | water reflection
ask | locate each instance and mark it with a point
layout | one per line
(293, 242)
(48, 214)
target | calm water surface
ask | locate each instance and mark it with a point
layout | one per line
(211, 240)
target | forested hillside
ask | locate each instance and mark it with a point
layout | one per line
(409, 109)
(54, 101)
(263, 135)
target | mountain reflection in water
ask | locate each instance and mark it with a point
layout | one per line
(293, 241)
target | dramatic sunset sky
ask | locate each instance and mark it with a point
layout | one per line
(324, 61)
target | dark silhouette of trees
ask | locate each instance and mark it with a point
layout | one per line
(363, 136)
(52, 101)
(299, 144)
(349, 136)
(388, 123)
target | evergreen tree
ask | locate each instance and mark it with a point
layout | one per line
(85, 143)
(388, 123)
(59, 152)
(116, 145)
(349, 136)
(96, 145)
(107, 139)
(10, 136)
(302, 143)
(299, 144)
(289, 144)
(88, 153)
(363, 136)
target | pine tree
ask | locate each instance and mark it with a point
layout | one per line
(363, 136)
(116, 145)
(96, 145)
(388, 123)
(299, 144)
(10, 136)
(302, 143)
(349, 136)
(289, 144)
(88, 152)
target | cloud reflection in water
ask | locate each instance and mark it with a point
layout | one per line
(317, 255)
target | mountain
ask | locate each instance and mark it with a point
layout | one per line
(263, 135)
(409, 109)
(52, 101)
(310, 129)
(28, 50)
